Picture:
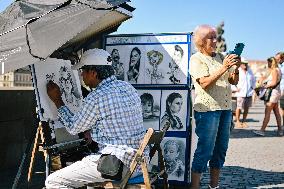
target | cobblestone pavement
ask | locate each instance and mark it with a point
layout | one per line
(253, 161)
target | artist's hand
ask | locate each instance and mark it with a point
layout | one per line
(54, 93)
(88, 137)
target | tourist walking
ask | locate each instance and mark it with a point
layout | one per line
(272, 82)
(244, 91)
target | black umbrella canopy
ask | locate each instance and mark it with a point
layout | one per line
(32, 30)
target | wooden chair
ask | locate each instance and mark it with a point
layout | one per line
(153, 140)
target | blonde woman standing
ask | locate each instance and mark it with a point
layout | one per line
(212, 75)
(273, 81)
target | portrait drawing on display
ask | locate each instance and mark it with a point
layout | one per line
(117, 65)
(174, 155)
(150, 101)
(174, 103)
(174, 65)
(134, 65)
(154, 59)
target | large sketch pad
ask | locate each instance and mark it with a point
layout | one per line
(59, 71)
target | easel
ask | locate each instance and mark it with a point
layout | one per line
(46, 146)
(39, 135)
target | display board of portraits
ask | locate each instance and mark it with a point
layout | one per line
(150, 59)
(157, 66)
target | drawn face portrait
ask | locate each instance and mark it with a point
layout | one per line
(147, 108)
(154, 58)
(68, 85)
(171, 151)
(175, 106)
(115, 55)
(64, 73)
(65, 80)
(177, 56)
(147, 102)
(134, 58)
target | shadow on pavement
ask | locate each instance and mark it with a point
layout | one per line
(7, 177)
(252, 120)
(239, 178)
(245, 133)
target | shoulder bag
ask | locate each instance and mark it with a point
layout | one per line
(267, 94)
(110, 167)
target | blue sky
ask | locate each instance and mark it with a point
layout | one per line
(257, 23)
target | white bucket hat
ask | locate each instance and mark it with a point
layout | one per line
(94, 57)
(244, 61)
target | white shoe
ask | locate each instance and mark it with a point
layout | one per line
(259, 133)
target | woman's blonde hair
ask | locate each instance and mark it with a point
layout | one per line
(273, 62)
(199, 35)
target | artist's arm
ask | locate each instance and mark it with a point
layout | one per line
(83, 120)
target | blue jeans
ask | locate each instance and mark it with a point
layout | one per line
(213, 131)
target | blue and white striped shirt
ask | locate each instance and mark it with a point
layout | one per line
(113, 112)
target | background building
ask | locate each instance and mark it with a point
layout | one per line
(19, 78)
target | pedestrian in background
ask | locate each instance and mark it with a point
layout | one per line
(280, 59)
(244, 92)
(212, 75)
(273, 81)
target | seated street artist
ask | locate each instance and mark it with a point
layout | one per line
(112, 111)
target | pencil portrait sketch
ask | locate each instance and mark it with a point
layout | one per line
(174, 154)
(175, 64)
(174, 109)
(68, 87)
(58, 71)
(154, 59)
(134, 65)
(118, 66)
(150, 101)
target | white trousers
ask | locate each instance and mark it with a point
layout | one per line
(77, 174)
